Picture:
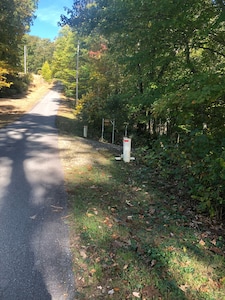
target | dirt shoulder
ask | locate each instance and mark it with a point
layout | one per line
(76, 150)
(13, 108)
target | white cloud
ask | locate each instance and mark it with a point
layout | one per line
(50, 15)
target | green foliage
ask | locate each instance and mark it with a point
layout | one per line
(19, 84)
(89, 108)
(203, 158)
(15, 19)
(164, 64)
(196, 165)
(46, 72)
(38, 51)
(4, 71)
(64, 60)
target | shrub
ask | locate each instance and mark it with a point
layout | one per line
(46, 72)
(19, 85)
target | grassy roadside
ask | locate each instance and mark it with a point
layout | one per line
(129, 239)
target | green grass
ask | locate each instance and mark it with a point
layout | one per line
(131, 241)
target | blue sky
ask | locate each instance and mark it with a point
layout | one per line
(48, 15)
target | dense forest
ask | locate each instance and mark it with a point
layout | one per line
(156, 67)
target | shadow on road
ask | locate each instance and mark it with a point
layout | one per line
(35, 262)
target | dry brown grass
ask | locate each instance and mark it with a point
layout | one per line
(12, 108)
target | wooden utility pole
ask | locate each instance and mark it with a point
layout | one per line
(77, 71)
(25, 59)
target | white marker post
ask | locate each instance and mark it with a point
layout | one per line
(85, 131)
(126, 149)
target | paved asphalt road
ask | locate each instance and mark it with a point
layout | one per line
(35, 261)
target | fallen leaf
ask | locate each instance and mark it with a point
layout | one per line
(65, 217)
(202, 243)
(98, 259)
(83, 254)
(222, 280)
(149, 229)
(129, 204)
(107, 221)
(111, 292)
(153, 263)
(89, 215)
(92, 271)
(115, 236)
(136, 294)
(205, 234)
(213, 242)
(57, 207)
(95, 211)
(184, 287)
(93, 187)
(150, 292)
(33, 217)
(204, 288)
(216, 250)
(116, 289)
(151, 211)
(106, 194)
(170, 248)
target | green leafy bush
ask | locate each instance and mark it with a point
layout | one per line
(196, 165)
(46, 72)
(20, 85)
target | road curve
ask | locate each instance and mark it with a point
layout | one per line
(35, 261)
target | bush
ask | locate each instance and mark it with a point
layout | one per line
(20, 85)
(46, 72)
(204, 160)
(196, 164)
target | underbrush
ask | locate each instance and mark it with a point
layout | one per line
(19, 85)
(194, 167)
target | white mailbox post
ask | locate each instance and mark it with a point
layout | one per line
(85, 131)
(126, 149)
